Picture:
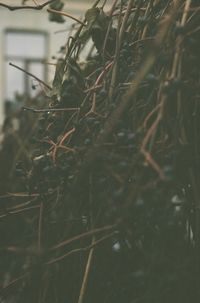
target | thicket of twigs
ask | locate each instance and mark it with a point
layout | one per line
(101, 198)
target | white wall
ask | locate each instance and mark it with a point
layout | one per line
(36, 20)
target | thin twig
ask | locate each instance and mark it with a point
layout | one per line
(14, 212)
(84, 235)
(86, 273)
(109, 28)
(21, 195)
(76, 36)
(91, 252)
(116, 59)
(82, 249)
(99, 78)
(31, 75)
(46, 110)
(128, 97)
(18, 7)
(59, 144)
(150, 133)
(145, 68)
(40, 226)
(50, 10)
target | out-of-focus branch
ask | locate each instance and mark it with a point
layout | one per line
(36, 7)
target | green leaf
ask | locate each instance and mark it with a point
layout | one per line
(96, 27)
(91, 16)
(58, 77)
(56, 5)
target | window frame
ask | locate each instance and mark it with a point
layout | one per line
(27, 61)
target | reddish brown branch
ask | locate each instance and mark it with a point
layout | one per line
(82, 249)
(83, 235)
(50, 10)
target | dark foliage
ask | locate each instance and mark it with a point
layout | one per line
(103, 203)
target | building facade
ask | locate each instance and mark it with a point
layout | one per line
(28, 39)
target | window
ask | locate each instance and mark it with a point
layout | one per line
(27, 50)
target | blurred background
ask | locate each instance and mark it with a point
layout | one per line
(29, 40)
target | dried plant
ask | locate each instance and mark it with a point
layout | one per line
(105, 203)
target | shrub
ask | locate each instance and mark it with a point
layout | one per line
(105, 207)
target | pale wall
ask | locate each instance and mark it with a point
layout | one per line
(38, 20)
